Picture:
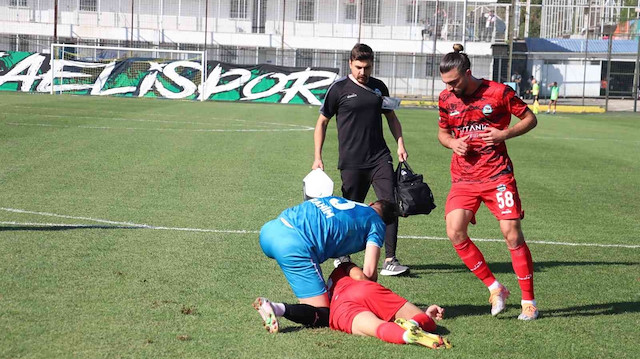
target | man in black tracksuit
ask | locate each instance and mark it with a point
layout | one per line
(364, 158)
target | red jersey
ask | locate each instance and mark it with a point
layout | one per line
(335, 282)
(350, 297)
(492, 104)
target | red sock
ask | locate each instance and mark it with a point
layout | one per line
(425, 322)
(474, 260)
(523, 266)
(391, 333)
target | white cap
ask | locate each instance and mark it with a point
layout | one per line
(317, 184)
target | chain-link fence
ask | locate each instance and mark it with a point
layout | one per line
(362, 19)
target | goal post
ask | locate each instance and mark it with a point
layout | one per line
(127, 72)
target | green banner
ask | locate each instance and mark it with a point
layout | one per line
(179, 79)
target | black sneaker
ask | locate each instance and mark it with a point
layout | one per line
(393, 267)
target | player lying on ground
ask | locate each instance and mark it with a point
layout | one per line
(306, 235)
(362, 307)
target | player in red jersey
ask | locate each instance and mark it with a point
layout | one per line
(362, 307)
(474, 122)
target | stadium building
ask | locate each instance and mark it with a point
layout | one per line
(409, 36)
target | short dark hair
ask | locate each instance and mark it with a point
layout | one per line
(361, 52)
(389, 211)
(455, 60)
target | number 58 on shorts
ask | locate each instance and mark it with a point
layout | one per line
(500, 196)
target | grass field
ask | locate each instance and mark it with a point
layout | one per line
(128, 228)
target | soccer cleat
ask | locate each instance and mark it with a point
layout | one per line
(269, 319)
(529, 312)
(497, 299)
(393, 267)
(340, 260)
(415, 335)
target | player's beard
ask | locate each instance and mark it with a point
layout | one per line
(462, 90)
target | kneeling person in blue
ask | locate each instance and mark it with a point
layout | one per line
(306, 235)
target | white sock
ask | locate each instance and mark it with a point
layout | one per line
(405, 337)
(278, 309)
(532, 302)
(494, 285)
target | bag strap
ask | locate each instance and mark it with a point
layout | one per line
(367, 88)
(408, 167)
(399, 168)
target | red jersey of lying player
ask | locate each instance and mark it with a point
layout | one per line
(491, 105)
(350, 297)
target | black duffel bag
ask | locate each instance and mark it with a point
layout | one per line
(412, 194)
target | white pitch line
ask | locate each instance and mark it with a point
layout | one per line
(176, 122)
(78, 225)
(242, 231)
(160, 129)
(583, 139)
(112, 118)
(127, 224)
(531, 241)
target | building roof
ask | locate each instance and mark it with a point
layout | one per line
(579, 45)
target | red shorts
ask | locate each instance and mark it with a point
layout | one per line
(500, 196)
(362, 296)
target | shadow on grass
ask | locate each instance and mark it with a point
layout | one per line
(467, 310)
(463, 310)
(291, 329)
(505, 267)
(62, 228)
(594, 309)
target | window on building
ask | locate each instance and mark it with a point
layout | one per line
(238, 9)
(306, 10)
(88, 5)
(350, 10)
(371, 11)
(412, 8)
(18, 3)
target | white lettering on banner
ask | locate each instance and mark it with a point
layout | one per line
(303, 88)
(102, 79)
(211, 85)
(61, 74)
(147, 83)
(25, 73)
(32, 64)
(45, 84)
(188, 87)
(249, 95)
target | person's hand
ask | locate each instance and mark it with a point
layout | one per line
(402, 154)
(317, 164)
(435, 312)
(460, 145)
(493, 136)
